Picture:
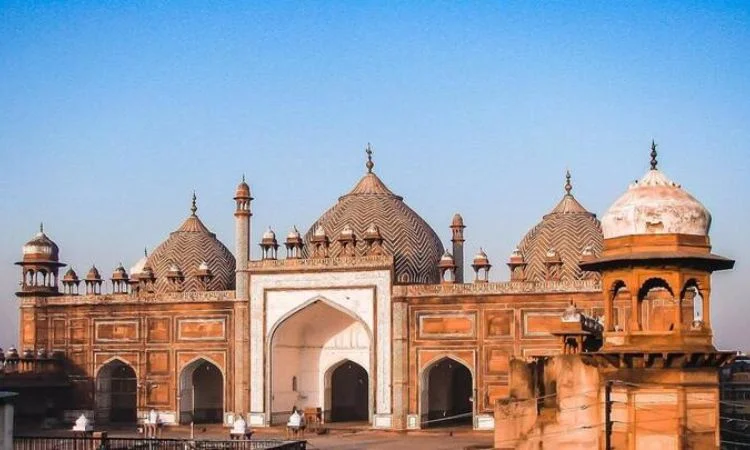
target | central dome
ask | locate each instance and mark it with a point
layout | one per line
(415, 246)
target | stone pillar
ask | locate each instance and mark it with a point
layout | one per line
(457, 238)
(242, 245)
(400, 364)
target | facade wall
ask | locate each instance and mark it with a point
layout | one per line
(157, 337)
(484, 332)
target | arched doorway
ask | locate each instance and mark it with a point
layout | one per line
(447, 394)
(348, 399)
(201, 393)
(305, 348)
(116, 393)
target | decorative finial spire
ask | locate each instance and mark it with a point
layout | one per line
(369, 164)
(568, 185)
(145, 252)
(41, 227)
(243, 177)
(194, 208)
(654, 162)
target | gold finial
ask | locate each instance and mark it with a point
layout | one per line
(568, 185)
(194, 208)
(369, 164)
(654, 162)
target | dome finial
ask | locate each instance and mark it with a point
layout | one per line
(568, 185)
(194, 208)
(145, 252)
(369, 164)
(41, 227)
(243, 177)
(654, 162)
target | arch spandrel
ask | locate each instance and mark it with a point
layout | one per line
(123, 359)
(317, 299)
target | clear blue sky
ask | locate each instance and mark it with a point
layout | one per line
(111, 113)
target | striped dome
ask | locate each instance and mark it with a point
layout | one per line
(415, 246)
(186, 249)
(566, 234)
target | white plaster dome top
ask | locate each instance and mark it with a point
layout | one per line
(655, 205)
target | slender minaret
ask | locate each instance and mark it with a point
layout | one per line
(457, 229)
(242, 236)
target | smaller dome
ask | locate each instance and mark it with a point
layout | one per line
(137, 268)
(41, 248)
(243, 190)
(480, 259)
(70, 276)
(119, 274)
(93, 274)
(11, 353)
(347, 232)
(269, 234)
(203, 266)
(458, 221)
(319, 232)
(571, 314)
(655, 205)
(372, 232)
(294, 234)
(447, 261)
(174, 271)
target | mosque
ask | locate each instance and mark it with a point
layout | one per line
(366, 317)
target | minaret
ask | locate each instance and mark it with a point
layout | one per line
(242, 216)
(457, 229)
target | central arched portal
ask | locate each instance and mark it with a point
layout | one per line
(447, 394)
(201, 393)
(348, 398)
(320, 358)
(116, 393)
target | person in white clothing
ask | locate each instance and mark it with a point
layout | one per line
(295, 422)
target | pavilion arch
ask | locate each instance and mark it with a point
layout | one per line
(656, 309)
(447, 389)
(303, 345)
(693, 299)
(116, 391)
(201, 395)
(612, 319)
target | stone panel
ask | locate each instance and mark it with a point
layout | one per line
(447, 325)
(499, 324)
(539, 323)
(78, 331)
(58, 331)
(497, 361)
(205, 329)
(116, 330)
(158, 329)
(158, 393)
(495, 391)
(157, 362)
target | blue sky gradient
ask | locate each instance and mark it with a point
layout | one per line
(111, 113)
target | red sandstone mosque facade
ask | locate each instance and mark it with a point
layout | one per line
(368, 318)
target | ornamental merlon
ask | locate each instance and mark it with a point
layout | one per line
(310, 264)
(507, 287)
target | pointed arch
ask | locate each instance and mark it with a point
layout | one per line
(313, 300)
(116, 391)
(201, 396)
(347, 392)
(447, 391)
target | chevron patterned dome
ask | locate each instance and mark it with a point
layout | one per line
(186, 249)
(415, 246)
(565, 235)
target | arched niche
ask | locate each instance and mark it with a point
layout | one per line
(657, 307)
(347, 391)
(116, 394)
(303, 346)
(446, 393)
(201, 392)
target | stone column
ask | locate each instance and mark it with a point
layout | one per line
(400, 364)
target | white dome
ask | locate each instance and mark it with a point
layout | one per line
(138, 266)
(655, 205)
